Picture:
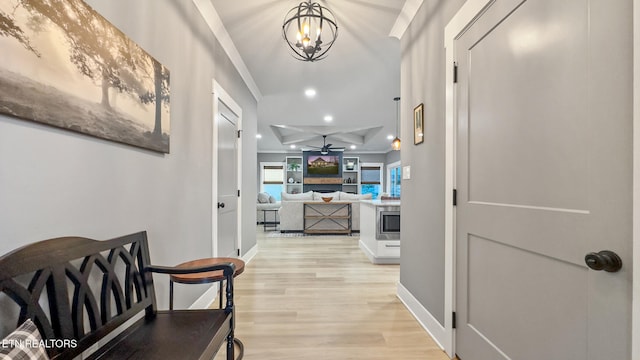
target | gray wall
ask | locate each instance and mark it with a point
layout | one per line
(392, 156)
(423, 81)
(58, 183)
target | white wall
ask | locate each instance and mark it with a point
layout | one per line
(58, 183)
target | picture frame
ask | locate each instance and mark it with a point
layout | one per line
(97, 81)
(418, 124)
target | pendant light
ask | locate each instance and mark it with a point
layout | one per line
(395, 144)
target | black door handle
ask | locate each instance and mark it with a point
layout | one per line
(604, 260)
(220, 205)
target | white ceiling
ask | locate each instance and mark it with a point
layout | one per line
(355, 84)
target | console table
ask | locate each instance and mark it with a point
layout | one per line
(332, 217)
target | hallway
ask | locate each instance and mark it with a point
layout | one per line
(320, 298)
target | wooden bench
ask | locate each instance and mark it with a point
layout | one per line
(82, 290)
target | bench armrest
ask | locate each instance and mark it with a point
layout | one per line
(227, 269)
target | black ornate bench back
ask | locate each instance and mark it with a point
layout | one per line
(77, 288)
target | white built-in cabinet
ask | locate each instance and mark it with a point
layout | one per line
(293, 175)
(351, 175)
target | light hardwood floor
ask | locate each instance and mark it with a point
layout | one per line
(320, 298)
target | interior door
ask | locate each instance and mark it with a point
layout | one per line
(543, 175)
(227, 182)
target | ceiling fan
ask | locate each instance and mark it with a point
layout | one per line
(326, 148)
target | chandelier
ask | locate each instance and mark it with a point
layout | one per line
(310, 30)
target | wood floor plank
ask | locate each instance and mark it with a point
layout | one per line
(320, 298)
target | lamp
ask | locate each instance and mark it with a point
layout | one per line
(304, 20)
(395, 144)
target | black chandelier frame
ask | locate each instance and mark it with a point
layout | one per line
(305, 12)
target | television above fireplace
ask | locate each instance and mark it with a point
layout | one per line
(316, 164)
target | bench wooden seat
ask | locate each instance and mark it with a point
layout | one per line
(177, 334)
(83, 289)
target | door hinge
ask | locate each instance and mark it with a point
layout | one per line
(238, 193)
(239, 133)
(455, 72)
(455, 197)
(453, 320)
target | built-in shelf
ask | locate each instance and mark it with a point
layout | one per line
(349, 182)
(293, 175)
(351, 174)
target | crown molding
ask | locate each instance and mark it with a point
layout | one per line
(211, 17)
(404, 19)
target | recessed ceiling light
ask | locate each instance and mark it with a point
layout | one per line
(389, 137)
(328, 118)
(258, 136)
(353, 147)
(292, 146)
(310, 93)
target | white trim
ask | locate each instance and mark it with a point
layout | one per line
(365, 249)
(635, 318)
(211, 17)
(460, 21)
(219, 94)
(424, 317)
(250, 254)
(404, 19)
(388, 168)
(207, 298)
(346, 153)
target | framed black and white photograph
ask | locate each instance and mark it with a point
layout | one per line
(65, 65)
(418, 124)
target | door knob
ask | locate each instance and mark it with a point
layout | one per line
(604, 260)
(220, 205)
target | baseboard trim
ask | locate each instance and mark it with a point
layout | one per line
(249, 255)
(365, 249)
(422, 315)
(207, 298)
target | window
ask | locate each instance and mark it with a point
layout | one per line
(394, 179)
(272, 179)
(371, 179)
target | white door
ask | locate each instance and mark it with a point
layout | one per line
(543, 171)
(227, 227)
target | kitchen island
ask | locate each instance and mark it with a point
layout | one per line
(379, 230)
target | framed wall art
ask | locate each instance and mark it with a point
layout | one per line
(65, 65)
(418, 124)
